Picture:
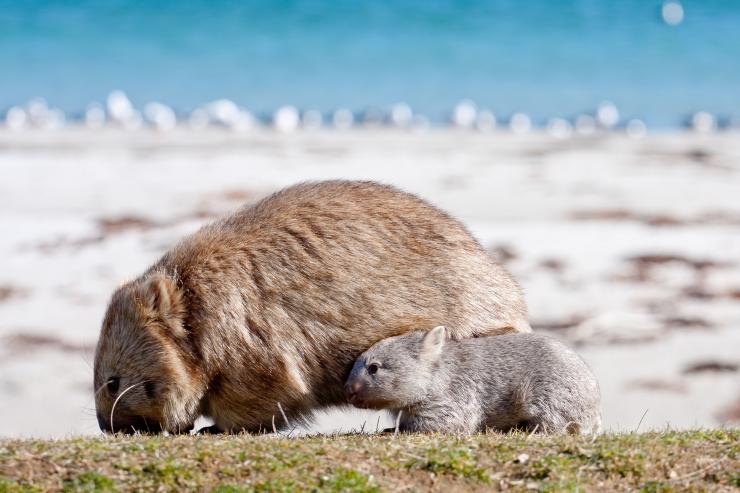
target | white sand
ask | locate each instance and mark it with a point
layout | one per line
(515, 192)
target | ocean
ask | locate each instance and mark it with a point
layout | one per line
(543, 57)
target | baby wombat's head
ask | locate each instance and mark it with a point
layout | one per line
(395, 372)
(144, 379)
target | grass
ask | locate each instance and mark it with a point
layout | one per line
(701, 460)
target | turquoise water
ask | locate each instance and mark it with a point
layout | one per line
(545, 57)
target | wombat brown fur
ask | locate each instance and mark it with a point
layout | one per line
(269, 307)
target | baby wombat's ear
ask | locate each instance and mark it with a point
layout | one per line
(432, 343)
(162, 296)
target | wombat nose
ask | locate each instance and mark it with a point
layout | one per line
(129, 425)
(352, 389)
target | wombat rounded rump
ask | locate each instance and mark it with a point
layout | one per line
(272, 304)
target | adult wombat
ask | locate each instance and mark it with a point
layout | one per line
(270, 306)
(511, 381)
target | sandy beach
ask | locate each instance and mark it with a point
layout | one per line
(628, 249)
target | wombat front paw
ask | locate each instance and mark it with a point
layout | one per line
(210, 430)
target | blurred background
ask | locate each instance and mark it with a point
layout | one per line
(592, 146)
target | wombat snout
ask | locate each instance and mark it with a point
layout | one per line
(354, 390)
(129, 425)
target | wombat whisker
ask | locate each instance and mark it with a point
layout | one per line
(291, 432)
(102, 387)
(287, 423)
(86, 359)
(113, 408)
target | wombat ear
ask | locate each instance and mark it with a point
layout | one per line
(433, 342)
(163, 297)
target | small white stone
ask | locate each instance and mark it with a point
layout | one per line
(223, 112)
(343, 119)
(636, 129)
(55, 119)
(703, 122)
(585, 124)
(119, 107)
(607, 114)
(559, 128)
(520, 123)
(286, 119)
(243, 122)
(160, 116)
(38, 112)
(522, 458)
(485, 121)
(464, 114)
(401, 115)
(199, 119)
(94, 115)
(16, 118)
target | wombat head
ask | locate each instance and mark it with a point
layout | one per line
(144, 380)
(396, 372)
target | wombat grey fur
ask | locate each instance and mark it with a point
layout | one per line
(504, 382)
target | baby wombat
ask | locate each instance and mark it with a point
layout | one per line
(525, 381)
(267, 309)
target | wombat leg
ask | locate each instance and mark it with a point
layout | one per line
(210, 430)
(528, 426)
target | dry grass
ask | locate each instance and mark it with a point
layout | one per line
(701, 460)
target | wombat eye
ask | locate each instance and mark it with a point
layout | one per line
(112, 384)
(372, 369)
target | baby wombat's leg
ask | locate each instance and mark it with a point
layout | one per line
(430, 424)
(539, 415)
(543, 423)
(552, 421)
(440, 421)
(407, 423)
(592, 423)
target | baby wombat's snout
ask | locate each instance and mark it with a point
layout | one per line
(359, 382)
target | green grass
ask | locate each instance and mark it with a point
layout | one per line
(702, 460)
